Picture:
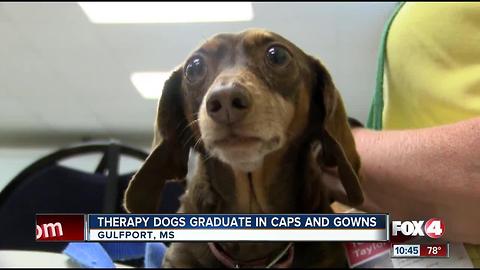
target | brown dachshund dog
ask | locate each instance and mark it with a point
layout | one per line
(264, 118)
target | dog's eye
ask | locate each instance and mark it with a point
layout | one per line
(278, 55)
(195, 69)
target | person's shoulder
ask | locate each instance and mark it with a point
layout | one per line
(474, 254)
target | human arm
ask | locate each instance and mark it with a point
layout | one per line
(424, 173)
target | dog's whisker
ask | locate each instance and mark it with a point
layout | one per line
(187, 141)
(196, 143)
(209, 156)
(192, 137)
(184, 129)
(178, 126)
(192, 123)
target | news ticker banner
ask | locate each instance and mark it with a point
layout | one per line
(212, 227)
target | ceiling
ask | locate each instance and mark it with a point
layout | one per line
(64, 79)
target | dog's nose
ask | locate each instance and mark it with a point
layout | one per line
(228, 105)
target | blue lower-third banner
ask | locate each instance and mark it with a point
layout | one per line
(238, 227)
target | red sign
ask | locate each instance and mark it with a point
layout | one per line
(60, 227)
(360, 252)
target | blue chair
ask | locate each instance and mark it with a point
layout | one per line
(47, 187)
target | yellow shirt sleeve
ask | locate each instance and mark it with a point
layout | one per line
(432, 70)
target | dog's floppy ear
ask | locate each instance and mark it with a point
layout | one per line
(338, 145)
(169, 158)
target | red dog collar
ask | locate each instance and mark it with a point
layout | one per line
(229, 262)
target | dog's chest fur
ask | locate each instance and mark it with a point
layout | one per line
(280, 186)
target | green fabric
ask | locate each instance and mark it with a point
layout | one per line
(376, 110)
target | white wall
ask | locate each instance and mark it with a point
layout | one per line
(54, 46)
(61, 75)
(13, 160)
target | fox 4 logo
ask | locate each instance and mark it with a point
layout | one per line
(433, 228)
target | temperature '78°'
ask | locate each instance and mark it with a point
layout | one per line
(433, 250)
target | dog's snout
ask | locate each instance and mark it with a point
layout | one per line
(227, 105)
